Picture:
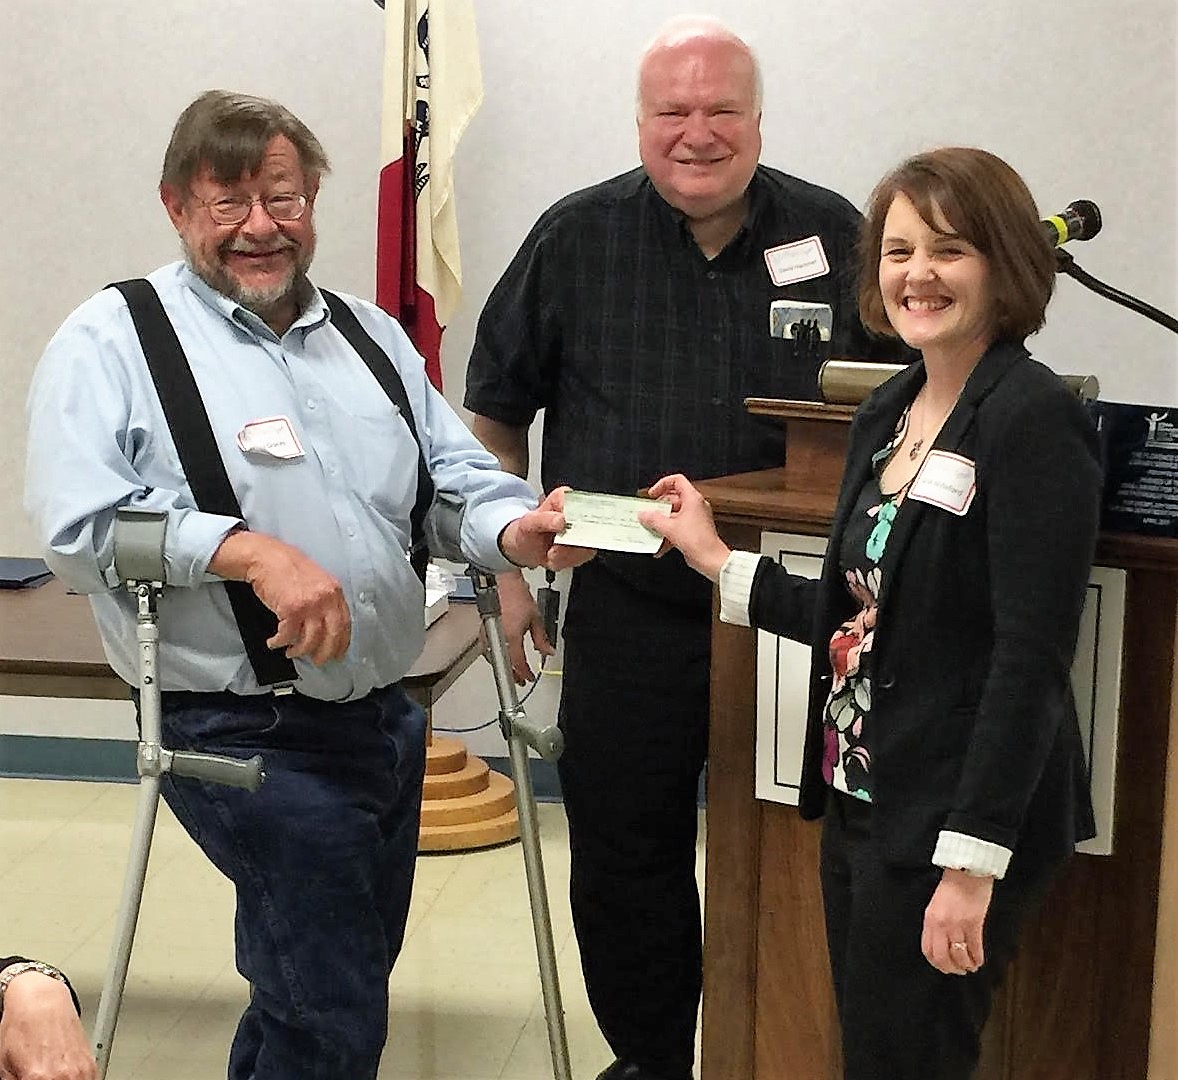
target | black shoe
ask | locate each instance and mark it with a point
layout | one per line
(621, 1070)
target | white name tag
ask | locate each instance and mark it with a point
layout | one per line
(799, 260)
(946, 480)
(272, 437)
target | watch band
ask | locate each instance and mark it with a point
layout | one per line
(20, 967)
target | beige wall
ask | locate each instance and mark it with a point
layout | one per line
(1081, 95)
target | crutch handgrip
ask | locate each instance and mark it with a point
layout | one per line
(542, 736)
(232, 772)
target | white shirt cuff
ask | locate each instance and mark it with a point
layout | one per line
(959, 851)
(736, 586)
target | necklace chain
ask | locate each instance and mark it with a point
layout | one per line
(915, 449)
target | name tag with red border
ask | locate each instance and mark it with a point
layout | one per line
(799, 260)
(947, 481)
(273, 436)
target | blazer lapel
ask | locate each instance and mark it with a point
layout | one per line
(993, 365)
(876, 422)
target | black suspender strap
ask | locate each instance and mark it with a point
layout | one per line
(202, 464)
(205, 469)
(385, 372)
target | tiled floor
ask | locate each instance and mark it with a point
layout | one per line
(465, 994)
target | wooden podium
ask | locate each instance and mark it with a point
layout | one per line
(1093, 991)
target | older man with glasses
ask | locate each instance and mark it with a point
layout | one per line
(290, 617)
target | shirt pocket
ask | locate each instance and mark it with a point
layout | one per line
(381, 457)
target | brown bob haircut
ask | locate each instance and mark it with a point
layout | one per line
(229, 133)
(985, 202)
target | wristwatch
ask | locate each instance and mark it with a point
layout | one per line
(20, 967)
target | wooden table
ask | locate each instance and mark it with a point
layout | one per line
(49, 647)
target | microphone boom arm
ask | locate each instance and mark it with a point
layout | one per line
(1065, 264)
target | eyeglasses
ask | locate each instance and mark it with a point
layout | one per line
(228, 211)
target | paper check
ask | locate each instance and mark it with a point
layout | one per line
(610, 522)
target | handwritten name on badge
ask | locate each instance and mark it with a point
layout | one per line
(271, 437)
(946, 480)
(799, 260)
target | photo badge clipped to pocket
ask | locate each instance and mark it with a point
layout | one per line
(794, 319)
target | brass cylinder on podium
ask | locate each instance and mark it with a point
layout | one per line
(848, 382)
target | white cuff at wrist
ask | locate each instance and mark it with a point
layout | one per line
(736, 586)
(979, 858)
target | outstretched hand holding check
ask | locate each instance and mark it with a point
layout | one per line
(688, 526)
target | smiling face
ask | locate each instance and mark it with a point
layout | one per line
(260, 263)
(699, 123)
(935, 286)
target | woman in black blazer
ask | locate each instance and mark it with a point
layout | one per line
(942, 741)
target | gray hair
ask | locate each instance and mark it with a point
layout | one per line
(230, 132)
(685, 27)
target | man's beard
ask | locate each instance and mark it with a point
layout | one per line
(263, 302)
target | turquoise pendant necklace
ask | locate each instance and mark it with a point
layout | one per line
(878, 539)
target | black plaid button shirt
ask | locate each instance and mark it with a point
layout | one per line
(641, 349)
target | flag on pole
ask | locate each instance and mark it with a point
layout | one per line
(432, 88)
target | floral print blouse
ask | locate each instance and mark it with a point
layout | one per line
(846, 761)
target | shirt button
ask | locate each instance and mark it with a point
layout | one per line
(311, 404)
(362, 597)
(331, 470)
(711, 275)
(351, 533)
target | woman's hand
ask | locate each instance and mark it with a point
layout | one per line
(953, 922)
(689, 526)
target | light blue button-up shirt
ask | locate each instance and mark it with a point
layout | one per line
(98, 440)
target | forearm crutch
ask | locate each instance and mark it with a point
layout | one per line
(548, 741)
(139, 563)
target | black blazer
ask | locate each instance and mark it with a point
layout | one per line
(973, 726)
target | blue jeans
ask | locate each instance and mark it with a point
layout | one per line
(322, 858)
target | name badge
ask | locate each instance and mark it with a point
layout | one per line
(946, 480)
(799, 260)
(271, 437)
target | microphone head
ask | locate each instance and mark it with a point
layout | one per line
(1087, 216)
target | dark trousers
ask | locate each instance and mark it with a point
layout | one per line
(322, 858)
(634, 711)
(902, 1019)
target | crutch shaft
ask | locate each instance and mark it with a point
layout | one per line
(547, 740)
(120, 951)
(529, 828)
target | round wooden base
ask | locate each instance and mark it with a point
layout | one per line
(465, 804)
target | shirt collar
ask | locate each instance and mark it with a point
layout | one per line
(314, 309)
(756, 208)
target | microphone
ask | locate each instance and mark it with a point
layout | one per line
(1078, 221)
